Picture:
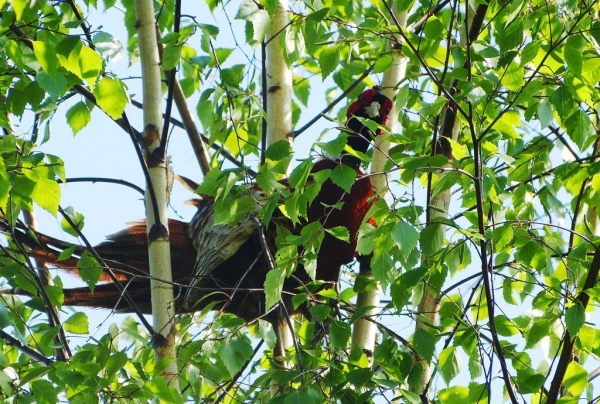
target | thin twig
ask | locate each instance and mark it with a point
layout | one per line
(105, 180)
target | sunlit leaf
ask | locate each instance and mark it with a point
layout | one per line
(90, 64)
(449, 364)
(78, 116)
(78, 323)
(46, 56)
(514, 77)
(111, 97)
(576, 378)
(575, 318)
(454, 395)
(339, 232)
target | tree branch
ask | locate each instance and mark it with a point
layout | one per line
(566, 354)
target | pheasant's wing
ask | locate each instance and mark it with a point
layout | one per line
(214, 243)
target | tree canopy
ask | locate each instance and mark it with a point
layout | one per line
(486, 248)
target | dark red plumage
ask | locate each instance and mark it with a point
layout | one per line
(225, 265)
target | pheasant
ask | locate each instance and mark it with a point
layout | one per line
(225, 266)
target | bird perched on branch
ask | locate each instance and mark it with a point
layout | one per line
(225, 266)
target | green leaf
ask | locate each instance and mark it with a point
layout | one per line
(115, 363)
(89, 269)
(359, 377)
(529, 381)
(574, 59)
(302, 90)
(424, 344)
(514, 77)
(78, 116)
(78, 323)
(46, 193)
(343, 176)
(530, 51)
(339, 333)
(579, 127)
(431, 238)
(46, 56)
(5, 186)
(160, 390)
(403, 287)
(575, 318)
(459, 150)
(434, 29)
(246, 9)
(510, 37)
(329, 60)
(171, 56)
(445, 182)
(55, 87)
(222, 54)
(298, 397)
(544, 113)
(336, 146)
(90, 65)
(109, 47)
(505, 327)
(405, 236)
(454, 395)
(383, 63)
(449, 364)
(339, 232)
(528, 252)
(20, 7)
(274, 286)
(538, 330)
(319, 312)
(477, 95)
(434, 108)
(5, 320)
(76, 217)
(111, 96)
(503, 236)
(233, 76)
(44, 392)
(300, 174)
(235, 352)
(563, 102)
(55, 294)
(576, 379)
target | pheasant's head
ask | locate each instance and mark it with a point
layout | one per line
(373, 105)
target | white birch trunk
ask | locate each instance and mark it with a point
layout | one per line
(158, 247)
(279, 126)
(279, 80)
(429, 305)
(364, 332)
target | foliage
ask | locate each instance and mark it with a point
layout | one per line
(512, 261)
